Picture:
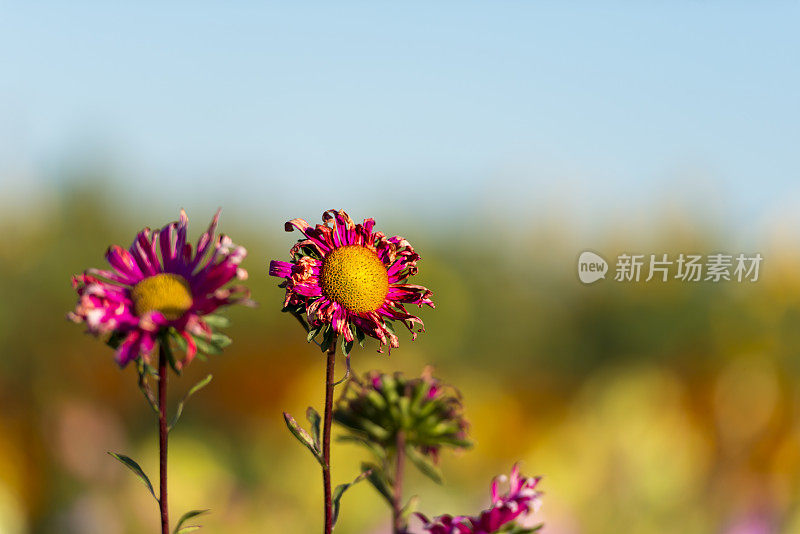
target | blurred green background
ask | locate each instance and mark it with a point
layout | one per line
(642, 404)
(502, 139)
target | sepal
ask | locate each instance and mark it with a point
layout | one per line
(424, 464)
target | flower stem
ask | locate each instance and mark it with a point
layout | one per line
(398, 526)
(326, 437)
(162, 435)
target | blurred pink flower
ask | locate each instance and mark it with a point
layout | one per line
(520, 500)
(755, 524)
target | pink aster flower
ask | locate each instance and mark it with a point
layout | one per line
(520, 500)
(160, 284)
(352, 278)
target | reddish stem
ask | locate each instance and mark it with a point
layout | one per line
(162, 435)
(398, 526)
(326, 438)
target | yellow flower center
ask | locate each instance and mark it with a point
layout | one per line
(355, 277)
(166, 293)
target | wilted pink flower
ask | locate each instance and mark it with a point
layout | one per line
(520, 500)
(351, 278)
(160, 284)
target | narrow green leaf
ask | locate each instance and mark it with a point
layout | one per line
(378, 480)
(194, 389)
(347, 346)
(312, 333)
(297, 313)
(377, 399)
(360, 336)
(116, 339)
(410, 507)
(164, 342)
(217, 321)
(179, 528)
(455, 442)
(338, 492)
(327, 339)
(424, 464)
(220, 340)
(133, 466)
(144, 385)
(375, 430)
(404, 403)
(179, 340)
(302, 436)
(316, 420)
(205, 345)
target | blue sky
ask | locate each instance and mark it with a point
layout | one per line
(424, 108)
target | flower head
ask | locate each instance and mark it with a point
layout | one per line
(520, 500)
(351, 281)
(379, 406)
(160, 285)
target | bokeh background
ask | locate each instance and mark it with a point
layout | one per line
(502, 139)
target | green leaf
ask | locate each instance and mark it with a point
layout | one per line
(133, 466)
(327, 339)
(347, 346)
(302, 436)
(424, 464)
(216, 321)
(360, 336)
(338, 492)
(378, 480)
(164, 342)
(116, 339)
(373, 429)
(455, 442)
(194, 389)
(179, 340)
(376, 399)
(220, 340)
(180, 529)
(296, 312)
(410, 507)
(315, 419)
(144, 385)
(312, 333)
(204, 345)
